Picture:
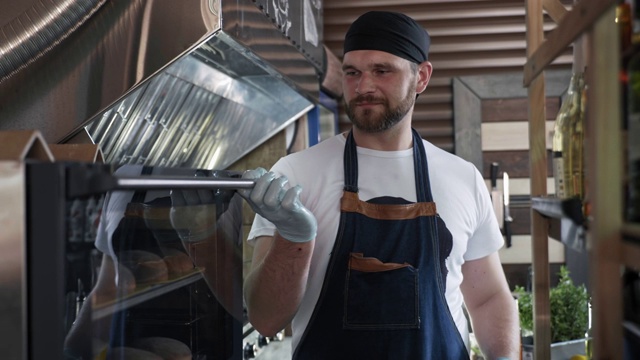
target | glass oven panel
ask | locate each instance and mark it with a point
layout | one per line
(151, 261)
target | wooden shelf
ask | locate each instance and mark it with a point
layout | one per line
(595, 19)
(569, 214)
(572, 24)
(554, 207)
(547, 206)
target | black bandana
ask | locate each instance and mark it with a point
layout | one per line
(390, 32)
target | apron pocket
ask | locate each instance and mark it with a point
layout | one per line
(380, 296)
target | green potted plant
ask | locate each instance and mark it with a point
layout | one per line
(569, 307)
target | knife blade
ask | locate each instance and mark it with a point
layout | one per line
(496, 195)
(507, 213)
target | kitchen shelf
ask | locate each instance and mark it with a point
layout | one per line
(569, 213)
(145, 294)
(558, 208)
(607, 249)
(572, 24)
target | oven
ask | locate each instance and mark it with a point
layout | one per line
(260, 347)
(91, 264)
(118, 267)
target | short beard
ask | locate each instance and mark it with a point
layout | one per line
(369, 122)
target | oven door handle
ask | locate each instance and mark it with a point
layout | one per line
(135, 183)
(91, 180)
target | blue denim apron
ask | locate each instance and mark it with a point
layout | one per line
(383, 295)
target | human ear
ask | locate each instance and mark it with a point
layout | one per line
(424, 75)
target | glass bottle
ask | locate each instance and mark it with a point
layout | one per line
(568, 141)
(574, 159)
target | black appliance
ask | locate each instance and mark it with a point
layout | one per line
(110, 265)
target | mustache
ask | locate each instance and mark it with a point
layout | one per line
(366, 99)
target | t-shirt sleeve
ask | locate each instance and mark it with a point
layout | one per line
(102, 238)
(487, 238)
(113, 210)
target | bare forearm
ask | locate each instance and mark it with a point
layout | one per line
(276, 284)
(496, 327)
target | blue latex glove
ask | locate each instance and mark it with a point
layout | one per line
(274, 200)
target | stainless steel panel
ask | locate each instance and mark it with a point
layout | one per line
(100, 57)
(300, 22)
(105, 62)
(206, 110)
(13, 301)
(36, 28)
(146, 265)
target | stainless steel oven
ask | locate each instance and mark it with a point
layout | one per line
(117, 266)
(260, 347)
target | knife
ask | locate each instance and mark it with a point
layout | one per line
(507, 214)
(496, 195)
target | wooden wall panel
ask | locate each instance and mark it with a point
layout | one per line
(514, 109)
(495, 107)
(516, 161)
(469, 37)
(510, 135)
(520, 251)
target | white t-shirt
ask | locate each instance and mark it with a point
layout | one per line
(115, 204)
(459, 191)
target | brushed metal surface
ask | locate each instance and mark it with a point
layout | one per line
(105, 56)
(206, 110)
(13, 301)
(119, 46)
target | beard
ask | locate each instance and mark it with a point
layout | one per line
(372, 121)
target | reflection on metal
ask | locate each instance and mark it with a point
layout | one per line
(213, 7)
(195, 83)
(39, 29)
(204, 111)
(301, 22)
(136, 183)
(13, 302)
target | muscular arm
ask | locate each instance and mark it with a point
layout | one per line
(492, 308)
(276, 282)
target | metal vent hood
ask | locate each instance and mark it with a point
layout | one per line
(190, 83)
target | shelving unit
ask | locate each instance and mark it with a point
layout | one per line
(568, 213)
(611, 243)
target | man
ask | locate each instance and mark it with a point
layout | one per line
(405, 232)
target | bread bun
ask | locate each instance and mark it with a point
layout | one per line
(166, 348)
(128, 353)
(178, 262)
(147, 267)
(106, 289)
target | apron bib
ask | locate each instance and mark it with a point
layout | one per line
(383, 295)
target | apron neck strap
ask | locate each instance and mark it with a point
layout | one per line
(421, 172)
(350, 165)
